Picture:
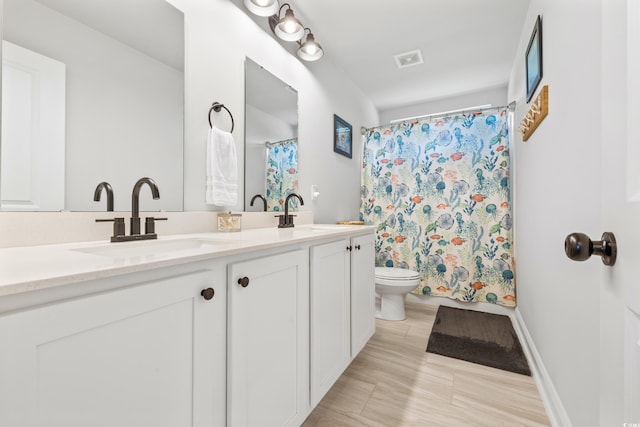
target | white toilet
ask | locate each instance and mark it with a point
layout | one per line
(392, 286)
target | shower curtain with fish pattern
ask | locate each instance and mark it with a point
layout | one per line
(438, 192)
(282, 173)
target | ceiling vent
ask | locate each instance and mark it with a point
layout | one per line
(408, 59)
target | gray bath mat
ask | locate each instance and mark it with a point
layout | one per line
(477, 337)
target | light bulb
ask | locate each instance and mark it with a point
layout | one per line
(262, 7)
(289, 28)
(310, 50)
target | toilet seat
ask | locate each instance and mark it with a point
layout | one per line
(394, 273)
(391, 276)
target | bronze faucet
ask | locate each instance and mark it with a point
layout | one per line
(286, 220)
(258, 196)
(107, 188)
(134, 223)
(135, 203)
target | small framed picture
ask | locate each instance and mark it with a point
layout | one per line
(533, 59)
(342, 137)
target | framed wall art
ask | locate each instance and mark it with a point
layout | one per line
(342, 137)
(533, 59)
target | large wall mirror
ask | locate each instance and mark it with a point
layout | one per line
(271, 140)
(92, 91)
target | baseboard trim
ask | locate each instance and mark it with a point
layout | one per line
(552, 403)
(479, 306)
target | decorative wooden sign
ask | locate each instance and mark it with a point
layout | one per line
(536, 114)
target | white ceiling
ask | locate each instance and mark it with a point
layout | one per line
(153, 27)
(467, 45)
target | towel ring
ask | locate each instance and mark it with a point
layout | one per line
(216, 106)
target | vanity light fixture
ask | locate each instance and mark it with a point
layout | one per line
(310, 50)
(288, 28)
(262, 7)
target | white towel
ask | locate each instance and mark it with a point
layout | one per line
(222, 169)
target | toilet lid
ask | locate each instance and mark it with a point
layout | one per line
(390, 273)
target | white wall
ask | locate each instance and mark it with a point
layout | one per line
(218, 37)
(497, 97)
(557, 191)
(122, 123)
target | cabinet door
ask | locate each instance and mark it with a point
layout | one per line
(363, 296)
(330, 316)
(268, 341)
(122, 358)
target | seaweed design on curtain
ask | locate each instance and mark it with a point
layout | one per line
(282, 173)
(438, 191)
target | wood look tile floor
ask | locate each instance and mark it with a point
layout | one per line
(394, 382)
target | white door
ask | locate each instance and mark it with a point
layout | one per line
(620, 174)
(33, 131)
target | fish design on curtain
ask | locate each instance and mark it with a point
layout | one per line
(282, 173)
(438, 191)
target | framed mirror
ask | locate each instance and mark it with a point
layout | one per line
(271, 140)
(93, 91)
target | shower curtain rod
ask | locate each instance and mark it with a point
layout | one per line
(271, 144)
(511, 106)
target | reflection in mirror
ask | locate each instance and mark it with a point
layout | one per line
(271, 140)
(92, 91)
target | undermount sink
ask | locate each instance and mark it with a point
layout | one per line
(149, 247)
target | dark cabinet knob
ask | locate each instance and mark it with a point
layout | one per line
(349, 248)
(357, 247)
(243, 281)
(579, 247)
(208, 293)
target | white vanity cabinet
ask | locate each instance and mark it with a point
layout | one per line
(330, 315)
(268, 341)
(363, 293)
(149, 354)
(342, 308)
(138, 343)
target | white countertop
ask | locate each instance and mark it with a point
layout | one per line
(24, 269)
